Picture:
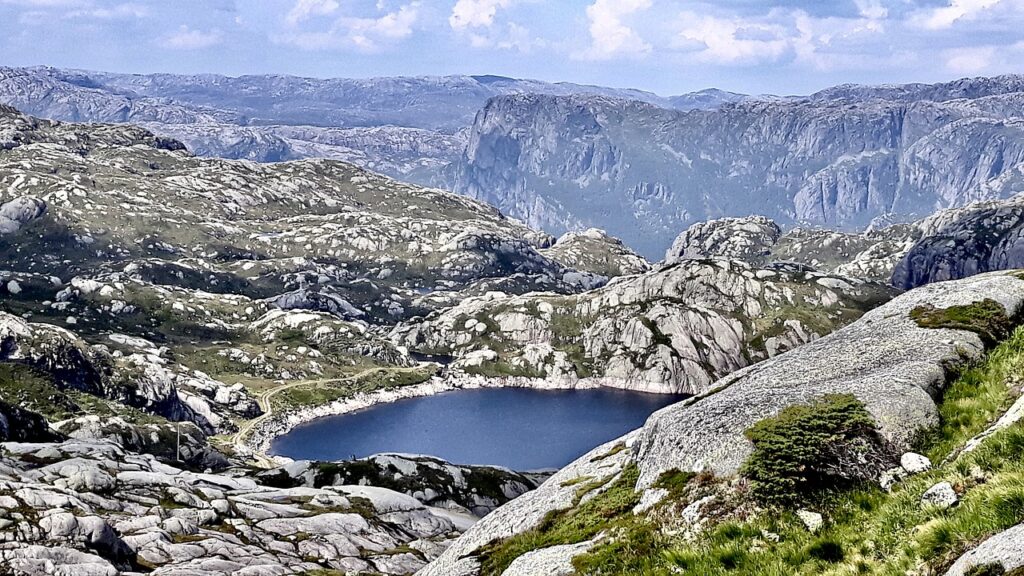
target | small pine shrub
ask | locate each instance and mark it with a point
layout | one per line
(811, 448)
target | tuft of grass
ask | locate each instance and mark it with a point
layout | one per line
(986, 318)
(579, 524)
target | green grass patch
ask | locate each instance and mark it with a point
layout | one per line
(986, 318)
(979, 396)
(578, 524)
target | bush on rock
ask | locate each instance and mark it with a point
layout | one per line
(810, 448)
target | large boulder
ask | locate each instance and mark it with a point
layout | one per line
(18, 212)
(1002, 553)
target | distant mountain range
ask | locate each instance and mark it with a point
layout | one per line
(844, 158)
(565, 156)
(409, 128)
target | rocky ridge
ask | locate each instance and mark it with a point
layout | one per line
(676, 329)
(838, 160)
(408, 128)
(951, 244)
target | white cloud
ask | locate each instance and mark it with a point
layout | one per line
(732, 40)
(972, 60)
(871, 9)
(476, 13)
(188, 39)
(366, 34)
(305, 9)
(119, 11)
(957, 10)
(986, 59)
(781, 35)
(610, 37)
(513, 37)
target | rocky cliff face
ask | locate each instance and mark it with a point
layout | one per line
(839, 160)
(960, 243)
(676, 329)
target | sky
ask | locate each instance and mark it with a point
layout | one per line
(665, 46)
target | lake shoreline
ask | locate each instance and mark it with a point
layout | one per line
(262, 436)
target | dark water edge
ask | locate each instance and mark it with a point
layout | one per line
(518, 428)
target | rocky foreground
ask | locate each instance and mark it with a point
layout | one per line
(91, 508)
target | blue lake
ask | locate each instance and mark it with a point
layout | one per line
(518, 428)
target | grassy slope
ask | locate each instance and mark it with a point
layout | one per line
(867, 530)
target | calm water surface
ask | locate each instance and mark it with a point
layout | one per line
(514, 427)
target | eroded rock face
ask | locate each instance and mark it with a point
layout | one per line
(833, 160)
(884, 359)
(596, 252)
(92, 508)
(1004, 550)
(677, 329)
(749, 239)
(960, 243)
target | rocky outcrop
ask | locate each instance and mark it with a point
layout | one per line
(748, 239)
(873, 254)
(19, 212)
(674, 330)
(1000, 554)
(960, 243)
(20, 425)
(596, 252)
(92, 508)
(895, 367)
(899, 369)
(468, 490)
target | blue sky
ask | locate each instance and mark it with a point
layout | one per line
(667, 46)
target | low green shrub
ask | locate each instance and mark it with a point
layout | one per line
(810, 448)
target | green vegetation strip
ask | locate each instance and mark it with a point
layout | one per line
(327, 391)
(986, 318)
